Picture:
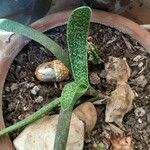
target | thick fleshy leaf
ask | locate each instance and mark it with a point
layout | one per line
(12, 26)
(71, 93)
(77, 32)
(69, 96)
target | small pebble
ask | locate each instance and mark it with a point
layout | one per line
(136, 94)
(139, 112)
(25, 108)
(140, 64)
(35, 90)
(29, 85)
(139, 120)
(137, 58)
(94, 78)
(20, 117)
(14, 86)
(7, 89)
(39, 99)
(141, 81)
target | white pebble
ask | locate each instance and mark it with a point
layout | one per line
(25, 108)
(31, 84)
(141, 81)
(39, 99)
(140, 64)
(7, 89)
(14, 86)
(140, 120)
(136, 94)
(137, 58)
(35, 90)
(139, 112)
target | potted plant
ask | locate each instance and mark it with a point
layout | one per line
(115, 21)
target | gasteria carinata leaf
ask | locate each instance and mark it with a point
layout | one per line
(70, 94)
(77, 31)
(12, 26)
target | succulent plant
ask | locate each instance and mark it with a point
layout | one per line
(75, 59)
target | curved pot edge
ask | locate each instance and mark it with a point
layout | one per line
(109, 19)
(18, 42)
(9, 53)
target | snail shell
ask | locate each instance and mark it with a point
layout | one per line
(54, 71)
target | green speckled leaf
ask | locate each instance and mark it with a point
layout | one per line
(71, 93)
(12, 26)
(77, 32)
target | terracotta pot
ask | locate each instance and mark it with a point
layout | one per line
(11, 49)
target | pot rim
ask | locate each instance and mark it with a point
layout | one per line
(18, 42)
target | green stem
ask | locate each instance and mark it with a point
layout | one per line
(63, 129)
(32, 118)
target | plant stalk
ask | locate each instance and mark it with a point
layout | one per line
(32, 118)
(63, 129)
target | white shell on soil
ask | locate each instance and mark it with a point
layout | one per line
(54, 71)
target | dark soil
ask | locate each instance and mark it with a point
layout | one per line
(19, 102)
